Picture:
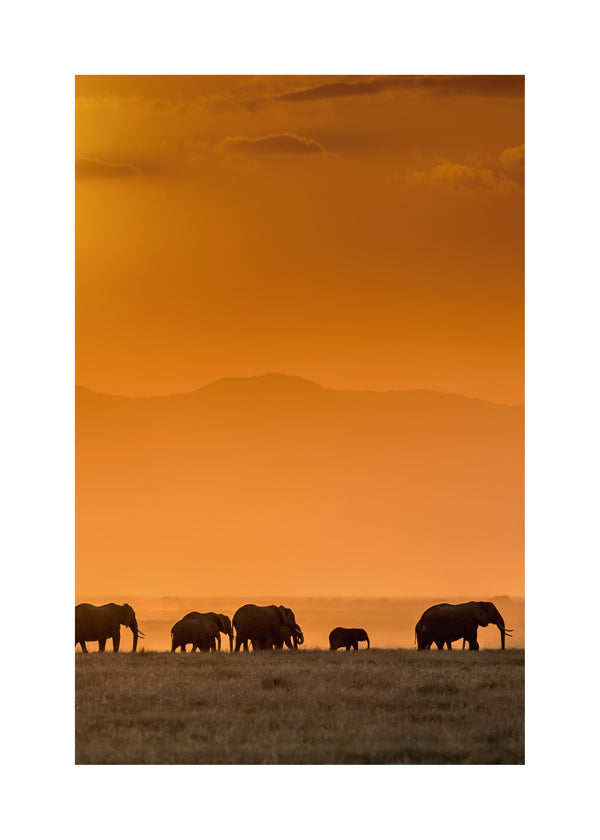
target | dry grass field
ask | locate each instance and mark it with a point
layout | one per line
(301, 707)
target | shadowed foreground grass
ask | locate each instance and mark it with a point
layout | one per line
(301, 707)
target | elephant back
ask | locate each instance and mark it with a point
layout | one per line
(258, 622)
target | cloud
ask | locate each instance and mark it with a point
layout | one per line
(95, 168)
(505, 86)
(273, 144)
(336, 89)
(456, 173)
(512, 161)
(504, 175)
(436, 85)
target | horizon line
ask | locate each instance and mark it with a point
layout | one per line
(306, 597)
(301, 379)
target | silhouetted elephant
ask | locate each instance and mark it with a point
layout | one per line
(194, 632)
(215, 621)
(286, 636)
(347, 637)
(265, 625)
(443, 624)
(97, 624)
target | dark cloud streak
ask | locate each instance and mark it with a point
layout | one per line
(275, 144)
(94, 168)
(436, 85)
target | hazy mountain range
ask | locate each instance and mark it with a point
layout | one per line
(274, 483)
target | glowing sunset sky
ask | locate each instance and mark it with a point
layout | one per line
(361, 232)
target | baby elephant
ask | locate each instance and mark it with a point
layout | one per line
(194, 632)
(347, 637)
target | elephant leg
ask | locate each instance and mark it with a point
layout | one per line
(83, 647)
(472, 640)
(183, 648)
(347, 647)
(219, 642)
(449, 643)
(101, 645)
(354, 645)
(439, 645)
(116, 640)
(238, 644)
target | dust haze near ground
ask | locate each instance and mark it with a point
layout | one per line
(389, 622)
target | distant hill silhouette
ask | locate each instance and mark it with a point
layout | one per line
(276, 483)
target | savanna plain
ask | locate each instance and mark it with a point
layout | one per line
(377, 706)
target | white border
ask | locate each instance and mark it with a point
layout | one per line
(47, 44)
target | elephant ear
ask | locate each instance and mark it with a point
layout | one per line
(492, 613)
(127, 615)
(480, 614)
(287, 616)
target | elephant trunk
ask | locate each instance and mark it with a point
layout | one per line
(134, 629)
(230, 634)
(502, 628)
(368, 642)
(504, 632)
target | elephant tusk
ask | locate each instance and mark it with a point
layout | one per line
(141, 635)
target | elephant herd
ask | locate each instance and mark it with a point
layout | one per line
(266, 628)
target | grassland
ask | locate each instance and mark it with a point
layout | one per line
(301, 707)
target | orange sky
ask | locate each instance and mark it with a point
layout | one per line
(363, 233)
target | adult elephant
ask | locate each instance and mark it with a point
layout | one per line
(194, 631)
(443, 624)
(97, 624)
(214, 622)
(347, 637)
(287, 637)
(265, 625)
